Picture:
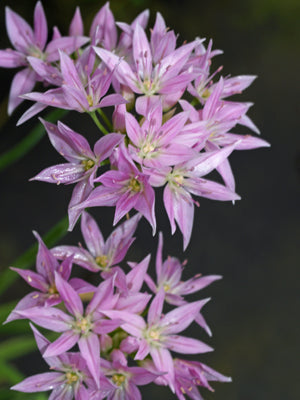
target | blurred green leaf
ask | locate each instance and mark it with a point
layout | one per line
(15, 328)
(10, 375)
(7, 394)
(16, 347)
(22, 148)
(19, 346)
(7, 277)
(5, 309)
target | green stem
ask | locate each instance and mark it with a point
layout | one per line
(7, 277)
(105, 118)
(98, 123)
(26, 144)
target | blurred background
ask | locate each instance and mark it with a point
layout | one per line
(254, 245)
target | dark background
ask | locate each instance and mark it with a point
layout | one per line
(254, 311)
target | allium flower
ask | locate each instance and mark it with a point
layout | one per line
(101, 255)
(43, 280)
(166, 77)
(68, 379)
(153, 142)
(80, 93)
(217, 118)
(126, 379)
(103, 29)
(28, 42)
(190, 374)
(81, 327)
(169, 274)
(125, 188)
(82, 164)
(186, 179)
(159, 335)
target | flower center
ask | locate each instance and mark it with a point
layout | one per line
(154, 334)
(118, 379)
(90, 100)
(36, 52)
(167, 287)
(52, 290)
(87, 164)
(178, 179)
(71, 377)
(102, 261)
(134, 185)
(148, 148)
(205, 94)
(83, 325)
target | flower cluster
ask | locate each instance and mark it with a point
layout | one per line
(171, 126)
(113, 322)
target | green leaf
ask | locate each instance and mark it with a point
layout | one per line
(26, 144)
(27, 259)
(17, 347)
(10, 375)
(5, 309)
(20, 346)
(6, 394)
(16, 327)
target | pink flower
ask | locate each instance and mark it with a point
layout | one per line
(30, 42)
(159, 335)
(125, 188)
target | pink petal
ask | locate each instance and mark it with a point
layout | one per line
(164, 363)
(40, 26)
(61, 173)
(143, 351)
(33, 279)
(76, 26)
(40, 382)
(186, 345)
(181, 317)
(31, 112)
(11, 59)
(92, 234)
(104, 146)
(64, 343)
(65, 44)
(19, 32)
(22, 83)
(49, 318)
(156, 307)
(142, 53)
(89, 347)
(70, 297)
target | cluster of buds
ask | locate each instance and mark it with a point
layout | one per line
(171, 126)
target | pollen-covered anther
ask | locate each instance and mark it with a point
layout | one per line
(166, 287)
(154, 334)
(118, 379)
(178, 179)
(90, 100)
(87, 164)
(84, 325)
(71, 377)
(135, 185)
(205, 94)
(102, 261)
(52, 289)
(148, 148)
(147, 84)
